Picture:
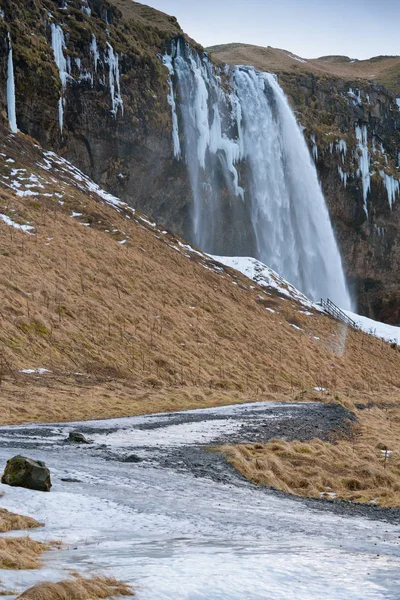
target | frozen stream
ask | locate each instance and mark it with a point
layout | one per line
(176, 535)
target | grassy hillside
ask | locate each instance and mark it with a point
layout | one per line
(381, 69)
(127, 319)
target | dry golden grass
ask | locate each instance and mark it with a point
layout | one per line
(140, 328)
(78, 589)
(21, 552)
(10, 521)
(364, 468)
(383, 69)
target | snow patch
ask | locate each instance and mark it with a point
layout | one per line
(389, 333)
(11, 223)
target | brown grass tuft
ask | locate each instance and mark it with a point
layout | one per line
(10, 521)
(78, 589)
(21, 552)
(364, 468)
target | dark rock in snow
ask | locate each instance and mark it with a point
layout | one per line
(132, 458)
(78, 438)
(27, 473)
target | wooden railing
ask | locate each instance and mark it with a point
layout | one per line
(337, 313)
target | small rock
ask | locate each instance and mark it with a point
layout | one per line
(132, 458)
(27, 473)
(78, 438)
(70, 480)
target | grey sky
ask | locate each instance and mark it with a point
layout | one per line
(309, 28)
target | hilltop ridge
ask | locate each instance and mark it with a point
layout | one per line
(381, 69)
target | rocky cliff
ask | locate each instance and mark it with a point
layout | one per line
(90, 84)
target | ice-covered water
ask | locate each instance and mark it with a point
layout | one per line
(180, 537)
(254, 185)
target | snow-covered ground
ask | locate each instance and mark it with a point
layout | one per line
(181, 537)
(390, 333)
(266, 277)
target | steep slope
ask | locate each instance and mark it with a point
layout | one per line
(104, 314)
(352, 125)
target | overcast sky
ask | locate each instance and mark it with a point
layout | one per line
(309, 28)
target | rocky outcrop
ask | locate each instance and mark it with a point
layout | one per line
(27, 473)
(90, 85)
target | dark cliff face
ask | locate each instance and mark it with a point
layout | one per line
(353, 130)
(120, 137)
(116, 126)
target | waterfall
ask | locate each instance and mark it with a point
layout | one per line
(254, 184)
(12, 118)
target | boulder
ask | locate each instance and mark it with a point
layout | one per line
(78, 438)
(27, 473)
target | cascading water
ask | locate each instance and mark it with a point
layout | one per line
(254, 185)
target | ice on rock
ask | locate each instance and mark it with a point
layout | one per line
(356, 97)
(314, 148)
(95, 52)
(85, 8)
(341, 148)
(115, 91)
(392, 187)
(363, 157)
(167, 60)
(12, 117)
(343, 175)
(248, 118)
(58, 45)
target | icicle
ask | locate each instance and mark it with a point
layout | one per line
(85, 8)
(343, 175)
(12, 118)
(113, 65)
(167, 60)
(363, 157)
(392, 186)
(341, 148)
(314, 148)
(94, 51)
(58, 45)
